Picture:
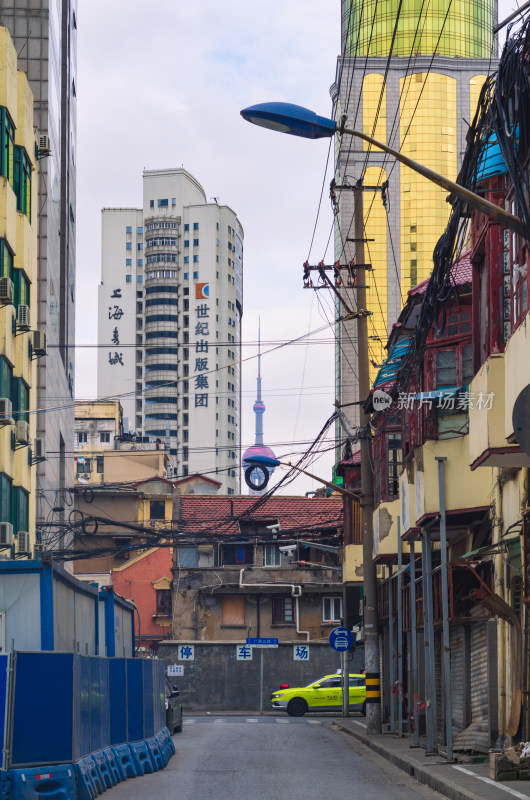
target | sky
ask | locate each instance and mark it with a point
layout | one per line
(162, 86)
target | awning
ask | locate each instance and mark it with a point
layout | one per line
(490, 549)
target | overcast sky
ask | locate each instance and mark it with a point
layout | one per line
(161, 85)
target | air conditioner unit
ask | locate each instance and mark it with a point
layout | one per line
(6, 290)
(44, 144)
(22, 431)
(23, 542)
(140, 649)
(38, 549)
(23, 317)
(6, 410)
(6, 534)
(39, 448)
(39, 343)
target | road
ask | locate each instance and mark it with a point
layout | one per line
(274, 758)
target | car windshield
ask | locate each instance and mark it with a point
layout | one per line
(319, 680)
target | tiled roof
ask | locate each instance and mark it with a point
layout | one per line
(354, 459)
(461, 273)
(211, 514)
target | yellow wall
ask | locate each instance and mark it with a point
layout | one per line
(352, 566)
(21, 235)
(517, 369)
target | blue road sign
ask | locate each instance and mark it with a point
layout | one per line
(341, 639)
(263, 642)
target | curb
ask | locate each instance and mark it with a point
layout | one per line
(442, 785)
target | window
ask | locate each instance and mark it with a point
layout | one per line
(128, 262)
(237, 554)
(186, 242)
(393, 456)
(196, 259)
(99, 464)
(139, 246)
(20, 509)
(139, 262)
(186, 226)
(272, 556)
(82, 437)
(128, 229)
(83, 465)
(157, 509)
(173, 201)
(128, 279)
(186, 259)
(195, 242)
(186, 276)
(188, 556)
(104, 437)
(151, 203)
(20, 398)
(233, 612)
(162, 203)
(331, 683)
(139, 278)
(331, 609)
(195, 226)
(163, 602)
(139, 231)
(128, 245)
(282, 610)
(7, 145)
(195, 276)
(22, 181)
(5, 497)
(445, 368)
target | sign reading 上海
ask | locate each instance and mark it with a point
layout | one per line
(262, 642)
(186, 652)
(341, 639)
(175, 670)
(202, 332)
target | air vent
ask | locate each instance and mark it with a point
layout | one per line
(22, 431)
(39, 343)
(23, 317)
(23, 543)
(39, 449)
(6, 411)
(6, 534)
(6, 290)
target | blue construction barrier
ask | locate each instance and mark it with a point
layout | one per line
(98, 721)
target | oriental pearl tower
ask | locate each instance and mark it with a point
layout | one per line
(258, 448)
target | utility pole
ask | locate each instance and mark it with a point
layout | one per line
(371, 634)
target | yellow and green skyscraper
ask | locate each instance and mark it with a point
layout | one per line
(409, 74)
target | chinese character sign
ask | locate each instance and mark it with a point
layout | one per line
(186, 652)
(115, 313)
(243, 652)
(301, 652)
(202, 332)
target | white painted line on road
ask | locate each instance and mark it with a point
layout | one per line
(497, 785)
(361, 724)
(314, 722)
(283, 721)
(251, 719)
(189, 721)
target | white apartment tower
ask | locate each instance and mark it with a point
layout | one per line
(169, 323)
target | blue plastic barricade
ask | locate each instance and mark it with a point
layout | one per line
(142, 758)
(55, 783)
(125, 761)
(113, 766)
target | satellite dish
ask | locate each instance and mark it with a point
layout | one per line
(521, 419)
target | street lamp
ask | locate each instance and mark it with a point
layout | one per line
(299, 121)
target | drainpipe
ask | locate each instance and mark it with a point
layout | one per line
(297, 601)
(501, 625)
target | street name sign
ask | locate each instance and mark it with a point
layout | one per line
(262, 642)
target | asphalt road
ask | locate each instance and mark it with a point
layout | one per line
(270, 758)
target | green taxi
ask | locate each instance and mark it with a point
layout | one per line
(325, 694)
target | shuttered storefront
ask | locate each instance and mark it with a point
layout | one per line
(476, 737)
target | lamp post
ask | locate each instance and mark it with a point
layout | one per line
(299, 121)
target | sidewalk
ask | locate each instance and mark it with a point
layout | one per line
(455, 781)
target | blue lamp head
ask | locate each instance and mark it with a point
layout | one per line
(289, 118)
(262, 461)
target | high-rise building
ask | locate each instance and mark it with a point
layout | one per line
(258, 448)
(170, 308)
(409, 75)
(44, 34)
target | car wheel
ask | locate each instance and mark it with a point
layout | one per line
(297, 707)
(178, 728)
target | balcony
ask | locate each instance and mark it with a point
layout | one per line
(517, 376)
